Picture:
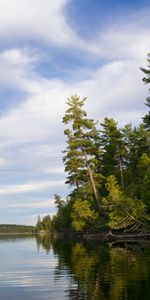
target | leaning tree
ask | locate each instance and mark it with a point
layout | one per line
(81, 157)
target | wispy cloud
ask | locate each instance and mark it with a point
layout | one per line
(104, 67)
(30, 187)
(125, 38)
(25, 20)
(48, 204)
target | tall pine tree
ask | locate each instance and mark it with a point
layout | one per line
(81, 152)
(113, 149)
(146, 80)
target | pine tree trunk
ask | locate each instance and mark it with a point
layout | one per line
(92, 180)
(121, 172)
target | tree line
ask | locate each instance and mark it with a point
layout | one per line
(13, 228)
(108, 171)
(43, 224)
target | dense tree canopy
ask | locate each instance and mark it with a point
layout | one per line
(146, 80)
(108, 171)
(43, 224)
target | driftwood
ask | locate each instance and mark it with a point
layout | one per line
(104, 237)
(114, 237)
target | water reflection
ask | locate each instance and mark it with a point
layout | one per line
(44, 241)
(44, 268)
(104, 272)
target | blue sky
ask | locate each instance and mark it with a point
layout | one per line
(49, 50)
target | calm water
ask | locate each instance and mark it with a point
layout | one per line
(32, 269)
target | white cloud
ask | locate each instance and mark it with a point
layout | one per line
(125, 44)
(125, 38)
(43, 204)
(25, 19)
(30, 187)
(17, 68)
(34, 126)
(116, 89)
(54, 170)
(34, 118)
(4, 162)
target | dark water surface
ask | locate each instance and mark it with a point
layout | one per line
(43, 268)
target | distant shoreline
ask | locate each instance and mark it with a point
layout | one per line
(13, 229)
(18, 233)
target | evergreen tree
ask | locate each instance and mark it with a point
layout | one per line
(39, 225)
(119, 157)
(43, 224)
(113, 149)
(46, 222)
(146, 80)
(124, 213)
(62, 220)
(144, 179)
(135, 140)
(82, 215)
(81, 152)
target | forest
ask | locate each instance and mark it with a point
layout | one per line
(108, 171)
(15, 229)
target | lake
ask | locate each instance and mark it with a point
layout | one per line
(44, 268)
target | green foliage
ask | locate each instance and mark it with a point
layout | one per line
(136, 144)
(108, 171)
(104, 271)
(146, 80)
(43, 224)
(82, 214)
(144, 179)
(44, 240)
(123, 211)
(113, 150)
(82, 151)
(13, 228)
(62, 220)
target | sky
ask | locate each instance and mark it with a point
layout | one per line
(49, 50)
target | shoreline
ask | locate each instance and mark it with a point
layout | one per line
(105, 237)
(17, 233)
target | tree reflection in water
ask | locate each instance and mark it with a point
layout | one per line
(44, 241)
(101, 271)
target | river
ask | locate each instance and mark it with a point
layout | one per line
(44, 268)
